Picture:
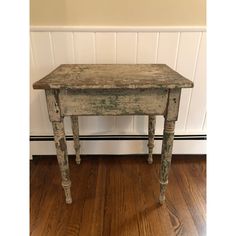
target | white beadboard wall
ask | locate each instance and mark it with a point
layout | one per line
(183, 49)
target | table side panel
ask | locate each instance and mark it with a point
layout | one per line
(173, 104)
(113, 102)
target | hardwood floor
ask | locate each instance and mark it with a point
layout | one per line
(117, 195)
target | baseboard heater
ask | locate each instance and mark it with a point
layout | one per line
(117, 137)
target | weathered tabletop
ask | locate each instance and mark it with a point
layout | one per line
(113, 76)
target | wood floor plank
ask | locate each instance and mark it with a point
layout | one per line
(120, 217)
(42, 194)
(192, 196)
(118, 195)
(99, 201)
(145, 203)
(82, 192)
(91, 199)
(181, 218)
(197, 172)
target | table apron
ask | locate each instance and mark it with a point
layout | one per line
(109, 102)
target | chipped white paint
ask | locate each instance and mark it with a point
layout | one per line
(155, 90)
(118, 103)
(151, 136)
(75, 131)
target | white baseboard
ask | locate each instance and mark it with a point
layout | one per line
(111, 147)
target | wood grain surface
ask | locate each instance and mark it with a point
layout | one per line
(113, 76)
(117, 195)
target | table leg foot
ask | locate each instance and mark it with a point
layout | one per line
(150, 159)
(78, 160)
(66, 186)
(162, 200)
(162, 197)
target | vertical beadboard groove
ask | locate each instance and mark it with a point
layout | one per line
(33, 52)
(52, 48)
(177, 50)
(157, 46)
(31, 56)
(204, 121)
(94, 46)
(32, 43)
(115, 48)
(77, 56)
(193, 78)
(137, 51)
(34, 68)
(73, 46)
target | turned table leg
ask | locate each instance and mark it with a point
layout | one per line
(171, 115)
(75, 130)
(166, 154)
(62, 157)
(151, 136)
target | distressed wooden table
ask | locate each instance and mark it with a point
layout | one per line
(79, 90)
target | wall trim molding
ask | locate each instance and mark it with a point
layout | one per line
(60, 28)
